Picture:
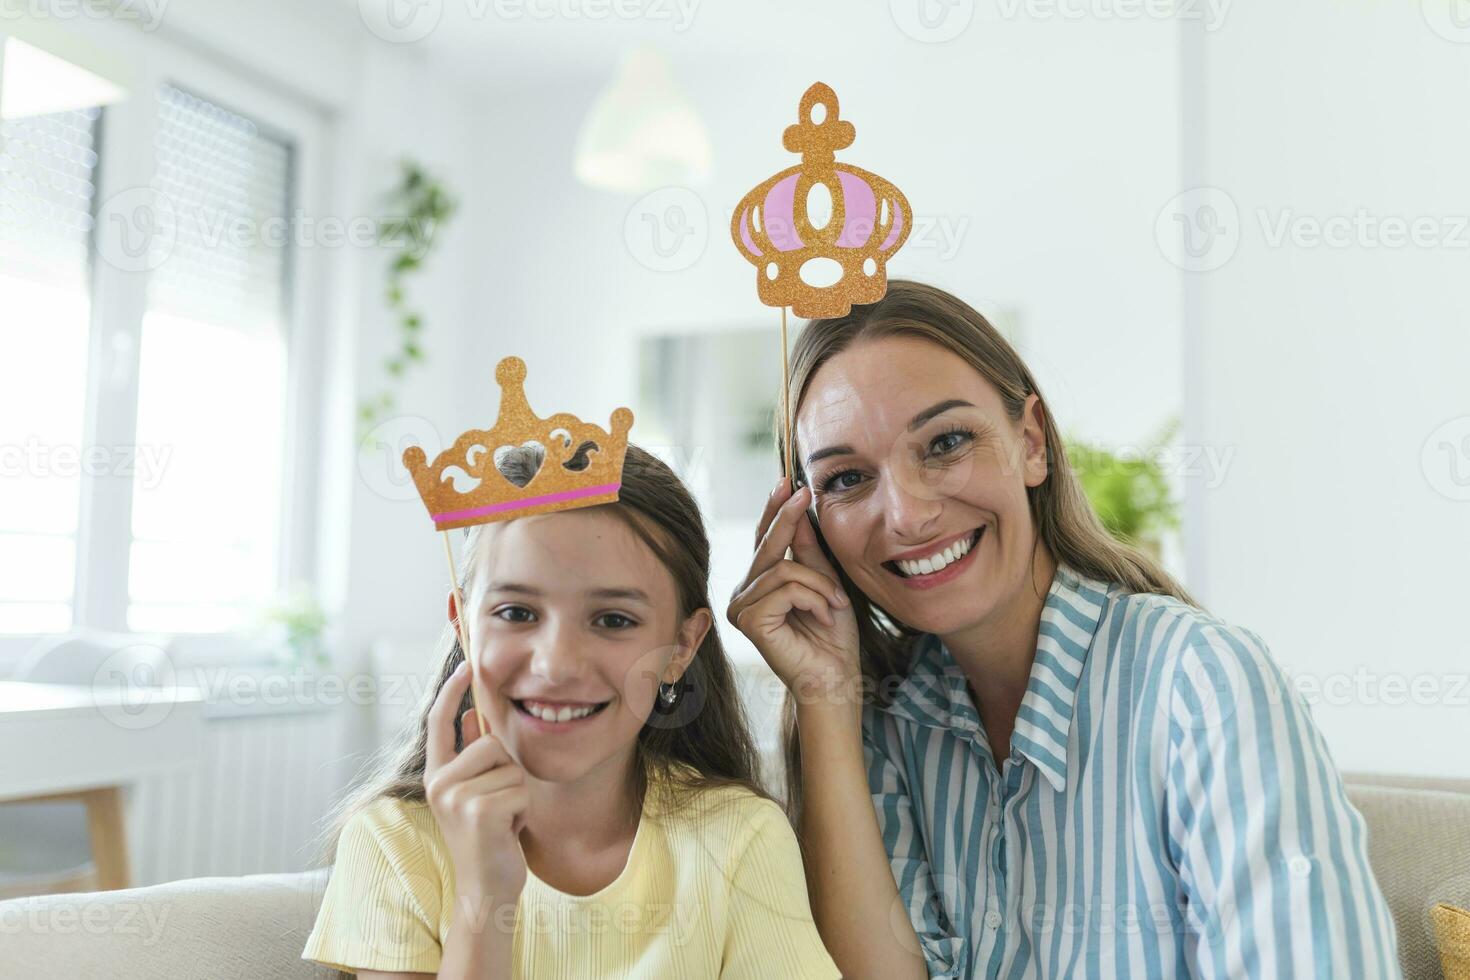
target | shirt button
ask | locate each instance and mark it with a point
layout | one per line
(1300, 866)
(992, 919)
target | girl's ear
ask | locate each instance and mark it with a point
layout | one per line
(691, 635)
(453, 613)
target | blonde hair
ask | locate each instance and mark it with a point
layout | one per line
(1064, 519)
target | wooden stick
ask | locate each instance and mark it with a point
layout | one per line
(785, 401)
(464, 639)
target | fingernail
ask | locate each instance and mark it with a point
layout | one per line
(840, 598)
(779, 484)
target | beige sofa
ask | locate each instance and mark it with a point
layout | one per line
(255, 927)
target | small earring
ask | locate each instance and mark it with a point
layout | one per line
(668, 694)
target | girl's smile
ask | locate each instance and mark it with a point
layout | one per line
(556, 716)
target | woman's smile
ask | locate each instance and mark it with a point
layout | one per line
(937, 564)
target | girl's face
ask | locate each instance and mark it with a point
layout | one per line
(573, 623)
(919, 480)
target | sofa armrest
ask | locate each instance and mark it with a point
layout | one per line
(215, 928)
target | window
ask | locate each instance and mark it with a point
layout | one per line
(148, 463)
(212, 375)
(47, 164)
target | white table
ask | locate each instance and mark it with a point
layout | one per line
(64, 742)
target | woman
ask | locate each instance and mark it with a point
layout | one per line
(1018, 748)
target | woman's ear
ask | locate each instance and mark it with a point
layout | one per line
(691, 635)
(453, 613)
(1033, 441)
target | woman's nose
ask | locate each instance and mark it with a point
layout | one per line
(910, 506)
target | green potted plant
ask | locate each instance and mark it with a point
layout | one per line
(419, 204)
(298, 622)
(1129, 490)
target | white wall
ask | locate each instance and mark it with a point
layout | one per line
(1327, 370)
(1048, 146)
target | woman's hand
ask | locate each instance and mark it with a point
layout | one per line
(795, 612)
(479, 798)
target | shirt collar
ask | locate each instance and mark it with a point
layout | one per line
(935, 694)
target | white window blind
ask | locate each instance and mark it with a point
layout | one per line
(47, 167)
(212, 373)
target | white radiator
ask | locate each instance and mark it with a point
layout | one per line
(253, 802)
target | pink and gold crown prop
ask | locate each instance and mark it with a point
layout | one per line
(577, 464)
(821, 270)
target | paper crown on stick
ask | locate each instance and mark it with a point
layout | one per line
(821, 270)
(524, 465)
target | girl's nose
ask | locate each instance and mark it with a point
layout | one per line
(556, 654)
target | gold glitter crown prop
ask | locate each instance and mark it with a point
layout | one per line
(524, 465)
(821, 265)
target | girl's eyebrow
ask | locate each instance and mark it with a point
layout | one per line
(914, 423)
(637, 595)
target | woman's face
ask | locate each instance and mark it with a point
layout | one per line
(919, 480)
(574, 622)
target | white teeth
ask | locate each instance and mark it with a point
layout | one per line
(936, 562)
(548, 713)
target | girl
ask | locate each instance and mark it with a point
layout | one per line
(608, 824)
(1065, 767)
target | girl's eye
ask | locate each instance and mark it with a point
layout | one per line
(515, 614)
(615, 621)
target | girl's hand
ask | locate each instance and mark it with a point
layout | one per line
(795, 612)
(479, 798)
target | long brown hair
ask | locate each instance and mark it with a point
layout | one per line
(1064, 519)
(702, 742)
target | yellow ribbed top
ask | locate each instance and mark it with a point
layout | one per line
(711, 889)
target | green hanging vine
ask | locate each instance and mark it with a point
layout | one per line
(420, 205)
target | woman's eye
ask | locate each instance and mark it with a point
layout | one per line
(845, 480)
(515, 614)
(615, 621)
(948, 442)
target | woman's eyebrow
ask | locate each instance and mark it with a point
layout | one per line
(938, 409)
(914, 423)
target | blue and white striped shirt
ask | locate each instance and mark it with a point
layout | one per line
(1168, 809)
